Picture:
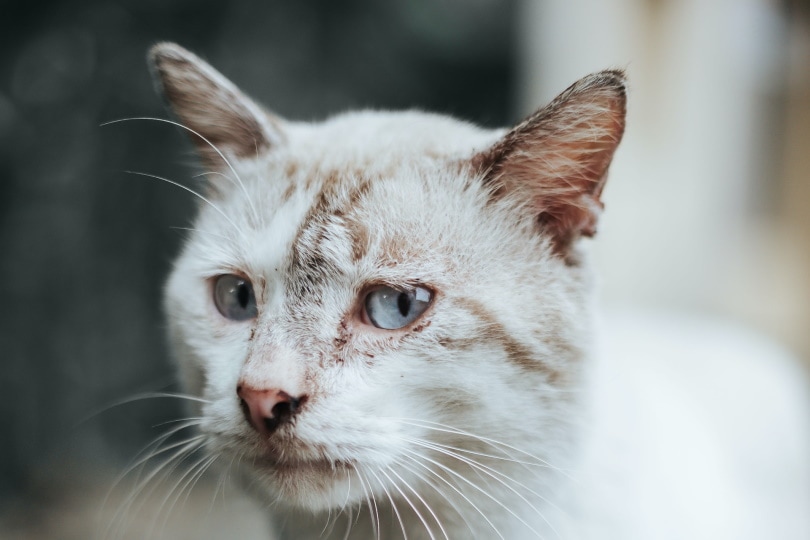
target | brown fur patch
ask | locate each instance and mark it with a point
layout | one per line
(493, 330)
(308, 262)
(360, 241)
(288, 193)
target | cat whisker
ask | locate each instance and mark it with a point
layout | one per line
(200, 231)
(371, 502)
(457, 453)
(499, 445)
(257, 216)
(153, 451)
(504, 458)
(348, 489)
(187, 447)
(212, 173)
(195, 193)
(197, 134)
(393, 504)
(436, 488)
(495, 475)
(458, 492)
(331, 520)
(139, 397)
(223, 476)
(191, 421)
(164, 470)
(194, 473)
(349, 523)
(477, 488)
(410, 503)
(425, 504)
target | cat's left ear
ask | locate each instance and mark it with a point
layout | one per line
(557, 159)
(221, 118)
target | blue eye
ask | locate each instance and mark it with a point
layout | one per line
(234, 298)
(391, 309)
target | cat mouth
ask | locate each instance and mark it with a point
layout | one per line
(290, 466)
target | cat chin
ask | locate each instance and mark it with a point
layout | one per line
(313, 486)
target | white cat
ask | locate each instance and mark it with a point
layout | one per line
(388, 319)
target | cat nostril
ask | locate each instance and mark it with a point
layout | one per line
(284, 409)
(266, 410)
(245, 410)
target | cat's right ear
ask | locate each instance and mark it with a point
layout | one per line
(555, 162)
(221, 120)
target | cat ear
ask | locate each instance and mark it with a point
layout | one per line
(219, 116)
(557, 159)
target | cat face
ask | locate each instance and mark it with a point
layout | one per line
(365, 300)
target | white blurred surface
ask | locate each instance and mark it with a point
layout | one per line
(704, 425)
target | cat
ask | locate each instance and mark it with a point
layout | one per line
(387, 316)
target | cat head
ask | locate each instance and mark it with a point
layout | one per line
(361, 294)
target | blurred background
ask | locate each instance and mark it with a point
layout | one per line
(707, 207)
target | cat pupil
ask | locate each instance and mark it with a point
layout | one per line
(404, 303)
(242, 295)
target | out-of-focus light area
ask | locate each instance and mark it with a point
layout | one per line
(706, 208)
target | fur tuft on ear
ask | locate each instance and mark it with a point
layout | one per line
(557, 159)
(212, 107)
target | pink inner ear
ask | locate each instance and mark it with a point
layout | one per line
(558, 158)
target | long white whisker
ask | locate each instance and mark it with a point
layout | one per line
(259, 217)
(425, 504)
(495, 471)
(221, 483)
(370, 501)
(200, 231)
(410, 503)
(478, 488)
(140, 397)
(153, 451)
(165, 470)
(393, 504)
(495, 475)
(440, 492)
(196, 194)
(349, 523)
(454, 488)
(436, 426)
(190, 473)
(209, 143)
(186, 448)
(504, 457)
(331, 521)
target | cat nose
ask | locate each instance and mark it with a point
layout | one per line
(267, 409)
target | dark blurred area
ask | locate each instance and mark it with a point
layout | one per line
(85, 248)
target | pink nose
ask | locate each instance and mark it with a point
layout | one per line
(267, 409)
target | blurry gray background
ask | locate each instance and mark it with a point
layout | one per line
(707, 206)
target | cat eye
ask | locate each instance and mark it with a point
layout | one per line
(390, 308)
(234, 298)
